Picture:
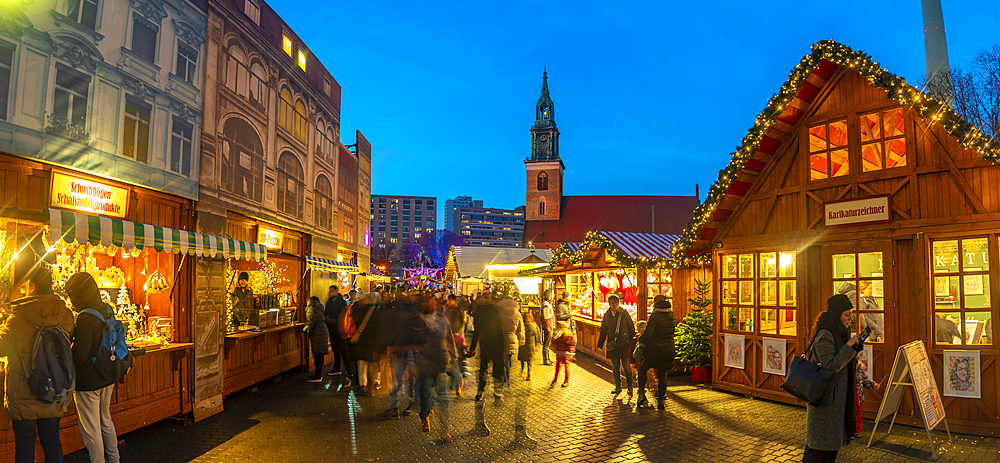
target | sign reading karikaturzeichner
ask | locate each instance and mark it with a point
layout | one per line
(871, 209)
(78, 194)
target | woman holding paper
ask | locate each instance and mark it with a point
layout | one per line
(830, 423)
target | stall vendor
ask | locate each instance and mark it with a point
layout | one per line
(244, 301)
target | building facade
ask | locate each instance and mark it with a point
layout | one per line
(490, 226)
(272, 168)
(397, 222)
(451, 210)
(109, 88)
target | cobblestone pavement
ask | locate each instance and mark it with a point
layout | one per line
(296, 421)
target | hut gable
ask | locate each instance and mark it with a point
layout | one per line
(841, 128)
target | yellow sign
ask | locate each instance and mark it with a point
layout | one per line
(271, 239)
(74, 193)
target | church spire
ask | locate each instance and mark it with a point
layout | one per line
(545, 112)
(545, 134)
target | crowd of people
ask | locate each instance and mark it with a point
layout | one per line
(422, 341)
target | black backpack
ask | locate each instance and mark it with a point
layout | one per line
(52, 377)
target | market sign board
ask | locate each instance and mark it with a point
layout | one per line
(271, 239)
(871, 209)
(77, 194)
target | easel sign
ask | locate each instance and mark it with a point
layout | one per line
(912, 368)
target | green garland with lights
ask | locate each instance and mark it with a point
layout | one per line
(596, 239)
(928, 107)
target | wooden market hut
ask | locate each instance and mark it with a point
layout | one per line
(634, 264)
(853, 181)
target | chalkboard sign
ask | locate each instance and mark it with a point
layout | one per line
(912, 368)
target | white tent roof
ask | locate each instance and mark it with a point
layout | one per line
(472, 261)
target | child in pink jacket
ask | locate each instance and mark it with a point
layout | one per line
(564, 345)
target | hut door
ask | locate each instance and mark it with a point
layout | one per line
(864, 272)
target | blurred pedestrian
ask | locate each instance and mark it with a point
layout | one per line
(532, 340)
(548, 324)
(318, 336)
(404, 340)
(488, 336)
(510, 319)
(659, 354)
(633, 362)
(335, 304)
(29, 415)
(432, 361)
(617, 329)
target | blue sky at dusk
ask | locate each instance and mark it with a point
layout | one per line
(649, 96)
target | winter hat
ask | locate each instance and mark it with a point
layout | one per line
(838, 303)
(662, 305)
(244, 276)
(565, 295)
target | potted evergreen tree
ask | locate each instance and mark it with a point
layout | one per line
(694, 335)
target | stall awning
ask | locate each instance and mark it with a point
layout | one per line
(83, 228)
(378, 278)
(327, 265)
(642, 245)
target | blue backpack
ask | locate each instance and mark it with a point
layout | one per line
(52, 377)
(113, 359)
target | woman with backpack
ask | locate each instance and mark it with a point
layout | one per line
(39, 308)
(93, 390)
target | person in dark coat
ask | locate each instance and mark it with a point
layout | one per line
(28, 415)
(617, 329)
(830, 423)
(532, 339)
(362, 346)
(403, 322)
(564, 312)
(93, 391)
(318, 336)
(335, 304)
(491, 341)
(243, 309)
(659, 341)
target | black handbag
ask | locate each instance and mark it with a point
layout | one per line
(806, 380)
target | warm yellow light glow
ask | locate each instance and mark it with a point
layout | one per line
(286, 44)
(302, 60)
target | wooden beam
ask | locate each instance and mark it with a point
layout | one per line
(777, 187)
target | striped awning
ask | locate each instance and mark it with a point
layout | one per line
(642, 245)
(84, 228)
(378, 278)
(573, 247)
(326, 265)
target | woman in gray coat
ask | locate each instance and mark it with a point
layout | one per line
(830, 423)
(318, 336)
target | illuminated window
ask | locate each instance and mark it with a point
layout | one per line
(859, 276)
(961, 291)
(828, 150)
(286, 44)
(882, 143)
(758, 293)
(302, 60)
(285, 118)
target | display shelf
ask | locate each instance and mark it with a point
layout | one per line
(262, 331)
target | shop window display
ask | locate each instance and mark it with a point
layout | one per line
(658, 281)
(266, 299)
(620, 281)
(136, 283)
(859, 276)
(961, 291)
(758, 293)
(581, 294)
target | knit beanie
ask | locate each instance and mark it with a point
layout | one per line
(838, 303)
(83, 292)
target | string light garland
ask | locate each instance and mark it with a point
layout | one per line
(936, 111)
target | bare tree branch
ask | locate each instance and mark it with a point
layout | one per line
(974, 91)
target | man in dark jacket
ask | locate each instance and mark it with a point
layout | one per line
(564, 311)
(40, 308)
(403, 316)
(93, 390)
(335, 304)
(491, 341)
(659, 341)
(617, 329)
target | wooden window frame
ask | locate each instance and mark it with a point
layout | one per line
(988, 278)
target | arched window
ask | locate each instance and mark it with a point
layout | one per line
(329, 142)
(324, 202)
(258, 86)
(290, 185)
(237, 75)
(545, 112)
(285, 110)
(541, 207)
(543, 181)
(300, 121)
(242, 160)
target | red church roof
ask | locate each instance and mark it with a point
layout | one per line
(581, 214)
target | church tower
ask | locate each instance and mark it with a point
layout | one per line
(544, 168)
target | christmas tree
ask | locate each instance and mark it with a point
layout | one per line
(694, 335)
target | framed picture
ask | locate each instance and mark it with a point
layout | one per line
(962, 377)
(941, 286)
(878, 288)
(973, 285)
(735, 351)
(774, 356)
